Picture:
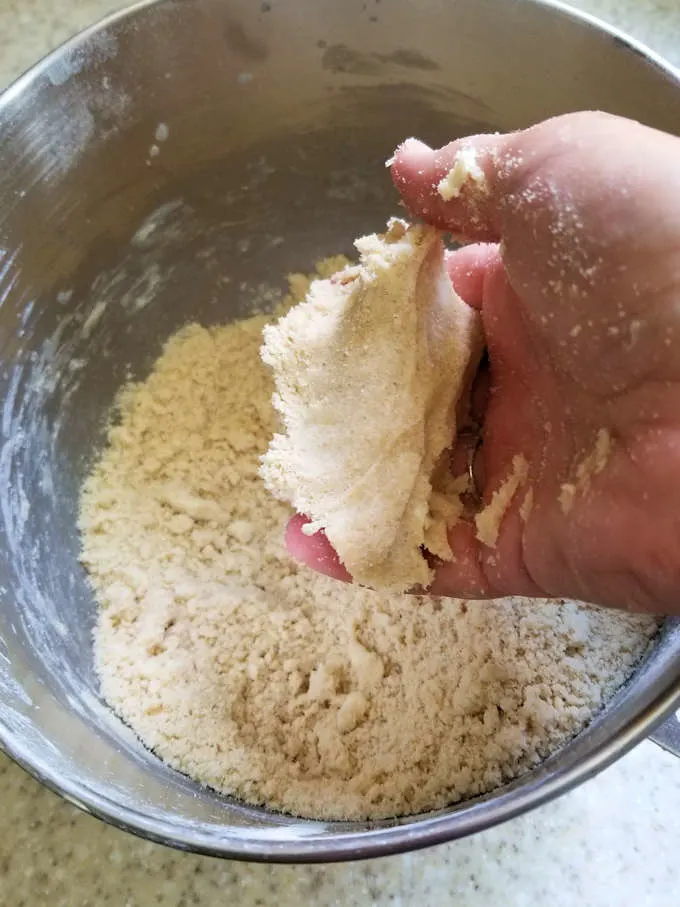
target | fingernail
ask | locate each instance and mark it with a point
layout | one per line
(408, 146)
(414, 145)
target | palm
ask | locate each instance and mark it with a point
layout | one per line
(591, 545)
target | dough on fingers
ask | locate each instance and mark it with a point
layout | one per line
(369, 371)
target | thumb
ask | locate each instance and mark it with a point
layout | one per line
(456, 188)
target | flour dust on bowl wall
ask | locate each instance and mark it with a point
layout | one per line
(133, 300)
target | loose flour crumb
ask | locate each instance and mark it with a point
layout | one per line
(465, 169)
(266, 681)
(590, 466)
(527, 505)
(488, 520)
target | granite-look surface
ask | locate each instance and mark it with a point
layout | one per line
(614, 842)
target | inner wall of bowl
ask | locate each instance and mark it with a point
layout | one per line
(215, 248)
(145, 183)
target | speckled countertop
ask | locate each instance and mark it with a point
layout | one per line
(614, 842)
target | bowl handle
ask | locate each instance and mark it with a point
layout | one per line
(667, 735)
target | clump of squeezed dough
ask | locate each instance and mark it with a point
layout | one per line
(369, 372)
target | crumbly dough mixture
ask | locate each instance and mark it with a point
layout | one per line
(369, 371)
(488, 520)
(264, 680)
(465, 170)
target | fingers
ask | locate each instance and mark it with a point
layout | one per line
(462, 577)
(314, 550)
(476, 571)
(479, 571)
(456, 187)
(468, 267)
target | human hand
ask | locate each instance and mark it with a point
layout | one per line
(581, 309)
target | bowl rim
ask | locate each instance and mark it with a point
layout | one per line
(347, 845)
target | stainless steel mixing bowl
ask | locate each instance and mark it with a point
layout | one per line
(173, 163)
